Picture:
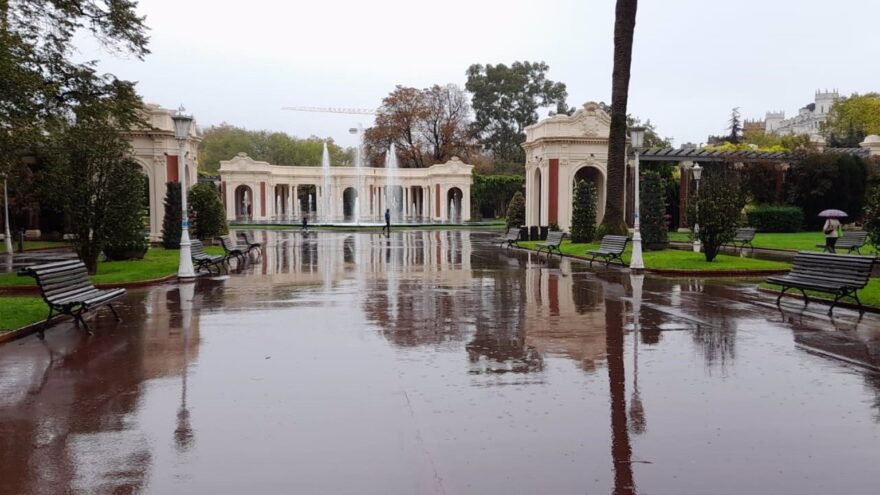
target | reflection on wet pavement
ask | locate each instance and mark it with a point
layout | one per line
(434, 362)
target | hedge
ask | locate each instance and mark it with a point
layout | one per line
(767, 218)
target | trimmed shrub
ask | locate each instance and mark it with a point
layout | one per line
(872, 216)
(653, 211)
(583, 216)
(516, 210)
(206, 212)
(173, 215)
(126, 238)
(769, 218)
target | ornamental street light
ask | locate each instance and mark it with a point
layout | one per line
(637, 139)
(698, 172)
(7, 236)
(182, 125)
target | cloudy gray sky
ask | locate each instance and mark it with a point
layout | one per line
(240, 62)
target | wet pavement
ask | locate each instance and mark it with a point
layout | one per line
(434, 362)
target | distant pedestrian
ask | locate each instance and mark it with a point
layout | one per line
(387, 227)
(831, 229)
(305, 224)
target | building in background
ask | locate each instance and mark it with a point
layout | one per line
(809, 119)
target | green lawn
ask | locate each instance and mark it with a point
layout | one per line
(870, 295)
(16, 312)
(795, 241)
(157, 263)
(29, 245)
(674, 259)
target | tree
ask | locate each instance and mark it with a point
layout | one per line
(734, 126)
(624, 27)
(426, 126)
(516, 211)
(506, 100)
(206, 212)
(653, 139)
(39, 84)
(126, 238)
(583, 216)
(851, 119)
(717, 209)
(490, 194)
(653, 210)
(223, 142)
(92, 162)
(171, 228)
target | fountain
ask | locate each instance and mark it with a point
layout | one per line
(391, 200)
(277, 206)
(290, 205)
(326, 214)
(357, 220)
(452, 212)
(359, 173)
(311, 204)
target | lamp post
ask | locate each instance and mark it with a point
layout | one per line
(7, 236)
(182, 124)
(637, 138)
(698, 172)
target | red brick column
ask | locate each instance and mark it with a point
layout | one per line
(553, 204)
(171, 168)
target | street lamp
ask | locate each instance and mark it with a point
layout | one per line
(698, 172)
(7, 236)
(182, 125)
(637, 138)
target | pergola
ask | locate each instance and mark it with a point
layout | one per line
(686, 157)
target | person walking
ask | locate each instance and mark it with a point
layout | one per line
(387, 227)
(831, 229)
(305, 223)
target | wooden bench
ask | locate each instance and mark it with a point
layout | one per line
(66, 288)
(232, 248)
(743, 237)
(510, 239)
(552, 243)
(839, 274)
(611, 248)
(252, 245)
(202, 259)
(851, 241)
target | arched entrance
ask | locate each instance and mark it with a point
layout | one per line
(244, 203)
(453, 200)
(349, 204)
(592, 174)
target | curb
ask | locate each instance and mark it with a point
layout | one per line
(688, 273)
(827, 302)
(26, 330)
(29, 290)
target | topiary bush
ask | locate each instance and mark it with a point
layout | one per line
(583, 216)
(717, 209)
(769, 218)
(516, 210)
(206, 213)
(653, 211)
(173, 215)
(126, 239)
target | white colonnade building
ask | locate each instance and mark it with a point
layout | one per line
(258, 191)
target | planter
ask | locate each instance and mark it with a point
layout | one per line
(544, 231)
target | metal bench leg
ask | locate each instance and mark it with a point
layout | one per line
(77, 316)
(43, 328)
(782, 293)
(115, 314)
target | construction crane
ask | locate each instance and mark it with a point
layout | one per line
(349, 111)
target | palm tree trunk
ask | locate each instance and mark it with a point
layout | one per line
(624, 26)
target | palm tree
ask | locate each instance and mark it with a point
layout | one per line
(624, 26)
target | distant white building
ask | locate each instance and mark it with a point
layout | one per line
(808, 120)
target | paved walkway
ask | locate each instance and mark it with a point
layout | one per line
(433, 362)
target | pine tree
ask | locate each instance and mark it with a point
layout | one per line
(173, 214)
(516, 210)
(653, 210)
(583, 217)
(735, 126)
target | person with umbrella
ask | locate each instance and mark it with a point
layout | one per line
(831, 229)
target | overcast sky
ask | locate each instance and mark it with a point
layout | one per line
(693, 60)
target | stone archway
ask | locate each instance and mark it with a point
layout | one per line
(453, 201)
(349, 204)
(244, 202)
(592, 174)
